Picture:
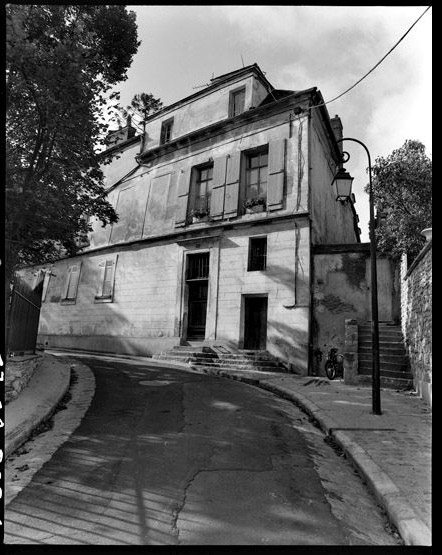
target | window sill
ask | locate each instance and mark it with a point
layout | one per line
(68, 301)
(108, 299)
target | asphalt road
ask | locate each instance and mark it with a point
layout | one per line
(168, 457)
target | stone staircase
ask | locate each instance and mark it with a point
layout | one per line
(394, 367)
(204, 357)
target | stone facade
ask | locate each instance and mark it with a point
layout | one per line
(416, 308)
(129, 290)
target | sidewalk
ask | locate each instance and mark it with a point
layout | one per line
(36, 402)
(392, 451)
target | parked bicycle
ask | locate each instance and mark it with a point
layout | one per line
(334, 365)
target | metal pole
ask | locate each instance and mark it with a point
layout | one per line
(376, 379)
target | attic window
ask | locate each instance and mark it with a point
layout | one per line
(166, 131)
(237, 102)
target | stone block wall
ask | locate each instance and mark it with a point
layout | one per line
(18, 372)
(416, 309)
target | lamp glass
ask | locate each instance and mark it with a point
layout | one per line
(343, 183)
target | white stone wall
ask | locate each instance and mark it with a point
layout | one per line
(146, 315)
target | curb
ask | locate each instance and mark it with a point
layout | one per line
(41, 411)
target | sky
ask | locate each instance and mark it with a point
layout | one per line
(298, 47)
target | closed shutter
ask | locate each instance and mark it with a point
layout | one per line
(218, 188)
(106, 282)
(47, 277)
(182, 197)
(275, 184)
(72, 281)
(232, 185)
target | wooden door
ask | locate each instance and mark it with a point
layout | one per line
(255, 323)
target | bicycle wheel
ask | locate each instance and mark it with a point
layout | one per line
(330, 370)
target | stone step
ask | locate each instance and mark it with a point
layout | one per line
(387, 349)
(366, 356)
(394, 337)
(193, 349)
(389, 382)
(192, 353)
(390, 372)
(237, 356)
(366, 367)
(248, 360)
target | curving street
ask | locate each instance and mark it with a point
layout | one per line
(168, 457)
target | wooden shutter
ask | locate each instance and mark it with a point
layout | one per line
(105, 288)
(275, 184)
(182, 197)
(218, 188)
(47, 277)
(232, 185)
(102, 267)
(72, 280)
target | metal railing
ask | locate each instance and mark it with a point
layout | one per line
(23, 318)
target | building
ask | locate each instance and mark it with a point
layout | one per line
(220, 204)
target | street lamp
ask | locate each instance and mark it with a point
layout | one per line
(343, 182)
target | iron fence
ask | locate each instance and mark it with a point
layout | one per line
(24, 315)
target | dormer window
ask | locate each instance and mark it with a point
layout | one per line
(166, 131)
(237, 102)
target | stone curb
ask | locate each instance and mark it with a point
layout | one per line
(43, 408)
(411, 529)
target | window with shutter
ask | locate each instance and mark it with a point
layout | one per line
(256, 176)
(71, 284)
(105, 289)
(199, 202)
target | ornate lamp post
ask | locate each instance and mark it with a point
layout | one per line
(343, 182)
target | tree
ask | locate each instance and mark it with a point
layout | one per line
(62, 62)
(402, 192)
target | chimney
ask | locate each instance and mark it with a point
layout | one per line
(122, 134)
(336, 124)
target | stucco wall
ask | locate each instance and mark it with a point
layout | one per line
(148, 308)
(416, 305)
(204, 110)
(341, 290)
(122, 163)
(332, 221)
(146, 202)
(285, 281)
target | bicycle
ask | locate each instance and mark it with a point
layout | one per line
(334, 365)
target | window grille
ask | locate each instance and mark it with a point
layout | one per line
(198, 266)
(257, 254)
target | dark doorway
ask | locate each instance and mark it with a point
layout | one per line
(196, 328)
(255, 323)
(198, 284)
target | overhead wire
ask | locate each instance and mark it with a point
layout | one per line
(375, 66)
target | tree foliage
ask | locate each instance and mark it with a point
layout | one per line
(62, 62)
(402, 191)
